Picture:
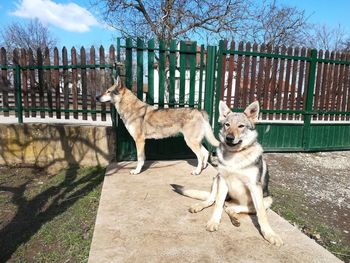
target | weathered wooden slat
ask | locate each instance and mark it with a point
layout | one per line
(335, 85)
(5, 103)
(32, 82)
(237, 98)
(24, 82)
(246, 68)
(75, 82)
(47, 78)
(280, 82)
(294, 84)
(65, 82)
(39, 56)
(267, 69)
(260, 83)
(272, 85)
(346, 91)
(329, 86)
(252, 86)
(340, 86)
(286, 88)
(56, 82)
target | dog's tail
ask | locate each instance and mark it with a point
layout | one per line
(208, 133)
(196, 194)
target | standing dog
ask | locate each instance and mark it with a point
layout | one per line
(145, 122)
(243, 176)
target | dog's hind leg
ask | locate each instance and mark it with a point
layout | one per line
(246, 209)
(140, 147)
(209, 201)
(196, 148)
(205, 155)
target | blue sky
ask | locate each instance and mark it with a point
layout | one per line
(73, 22)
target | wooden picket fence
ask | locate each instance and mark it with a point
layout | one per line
(279, 79)
(54, 83)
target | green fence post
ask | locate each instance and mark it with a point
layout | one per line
(201, 65)
(161, 73)
(128, 63)
(150, 92)
(309, 100)
(140, 68)
(209, 82)
(19, 94)
(172, 69)
(193, 50)
(218, 85)
(183, 66)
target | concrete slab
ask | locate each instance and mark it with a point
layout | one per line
(140, 219)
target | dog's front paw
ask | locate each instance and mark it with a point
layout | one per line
(196, 172)
(196, 208)
(212, 226)
(273, 238)
(135, 171)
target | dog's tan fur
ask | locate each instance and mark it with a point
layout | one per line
(145, 122)
(243, 176)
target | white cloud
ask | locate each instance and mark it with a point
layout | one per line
(70, 17)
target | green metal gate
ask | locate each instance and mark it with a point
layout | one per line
(190, 72)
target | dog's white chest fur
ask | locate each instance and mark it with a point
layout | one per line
(240, 166)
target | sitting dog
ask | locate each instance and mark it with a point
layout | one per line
(243, 176)
(145, 122)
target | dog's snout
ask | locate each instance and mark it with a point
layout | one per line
(230, 138)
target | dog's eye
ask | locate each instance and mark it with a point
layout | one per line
(227, 125)
(108, 91)
(241, 126)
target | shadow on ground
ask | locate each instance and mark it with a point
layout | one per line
(33, 212)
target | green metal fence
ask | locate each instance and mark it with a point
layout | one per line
(304, 94)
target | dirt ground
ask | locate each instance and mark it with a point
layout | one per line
(312, 190)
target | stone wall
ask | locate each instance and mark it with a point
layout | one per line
(55, 146)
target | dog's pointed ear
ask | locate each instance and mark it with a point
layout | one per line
(223, 111)
(117, 82)
(252, 111)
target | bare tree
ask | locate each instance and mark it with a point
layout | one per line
(265, 21)
(168, 19)
(276, 25)
(325, 37)
(346, 44)
(33, 35)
